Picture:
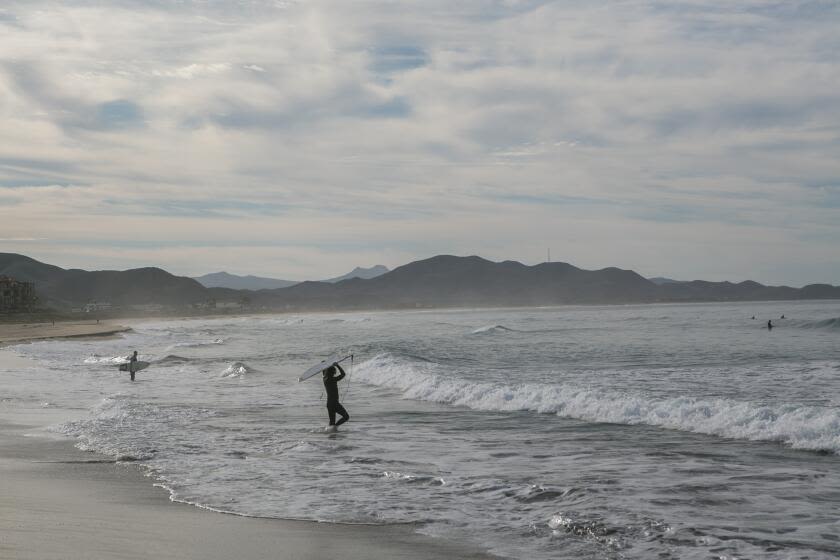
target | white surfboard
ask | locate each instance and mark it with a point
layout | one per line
(324, 364)
(138, 365)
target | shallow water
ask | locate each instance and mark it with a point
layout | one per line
(670, 431)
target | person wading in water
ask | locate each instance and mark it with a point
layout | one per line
(331, 385)
(132, 362)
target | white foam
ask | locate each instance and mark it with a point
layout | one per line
(117, 426)
(94, 359)
(395, 475)
(490, 329)
(800, 426)
(196, 344)
(236, 369)
(283, 322)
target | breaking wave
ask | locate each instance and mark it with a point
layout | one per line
(197, 344)
(493, 329)
(173, 359)
(236, 369)
(833, 324)
(799, 426)
(282, 322)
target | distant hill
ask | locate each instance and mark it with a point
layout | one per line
(660, 280)
(359, 272)
(225, 280)
(234, 282)
(61, 287)
(451, 281)
(441, 281)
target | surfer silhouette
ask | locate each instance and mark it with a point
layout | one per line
(331, 385)
(769, 325)
(131, 361)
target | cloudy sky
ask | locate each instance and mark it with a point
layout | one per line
(298, 139)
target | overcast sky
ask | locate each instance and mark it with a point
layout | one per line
(298, 139)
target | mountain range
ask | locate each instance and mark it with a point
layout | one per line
(232, 281)
(441, 281)
(62, 288)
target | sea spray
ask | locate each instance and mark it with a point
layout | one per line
(236, 369)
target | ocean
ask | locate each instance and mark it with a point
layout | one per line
(641, 431)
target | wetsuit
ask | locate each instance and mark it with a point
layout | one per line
(331, 385)
(132, 361)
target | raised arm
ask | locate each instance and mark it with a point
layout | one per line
(340, 376)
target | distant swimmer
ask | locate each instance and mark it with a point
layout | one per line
(132, 362)
(769, 325)
(753, 317)
(331, 385)
(782, 317)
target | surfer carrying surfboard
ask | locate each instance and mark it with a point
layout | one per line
(331, 385)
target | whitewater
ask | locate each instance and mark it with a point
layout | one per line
(671, 431)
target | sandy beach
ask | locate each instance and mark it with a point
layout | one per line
(13, 333)
(57, 502)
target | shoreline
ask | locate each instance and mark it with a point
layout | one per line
(60, 503)
(238, 314)
(22, 333)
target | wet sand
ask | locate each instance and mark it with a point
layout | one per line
(15, 333)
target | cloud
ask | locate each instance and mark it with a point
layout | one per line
(645, 134)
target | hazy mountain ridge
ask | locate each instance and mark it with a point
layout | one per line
(441, 281)
(361, 272)
(450, 281)
(236, 282)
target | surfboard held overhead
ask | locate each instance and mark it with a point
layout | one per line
(324, 364)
